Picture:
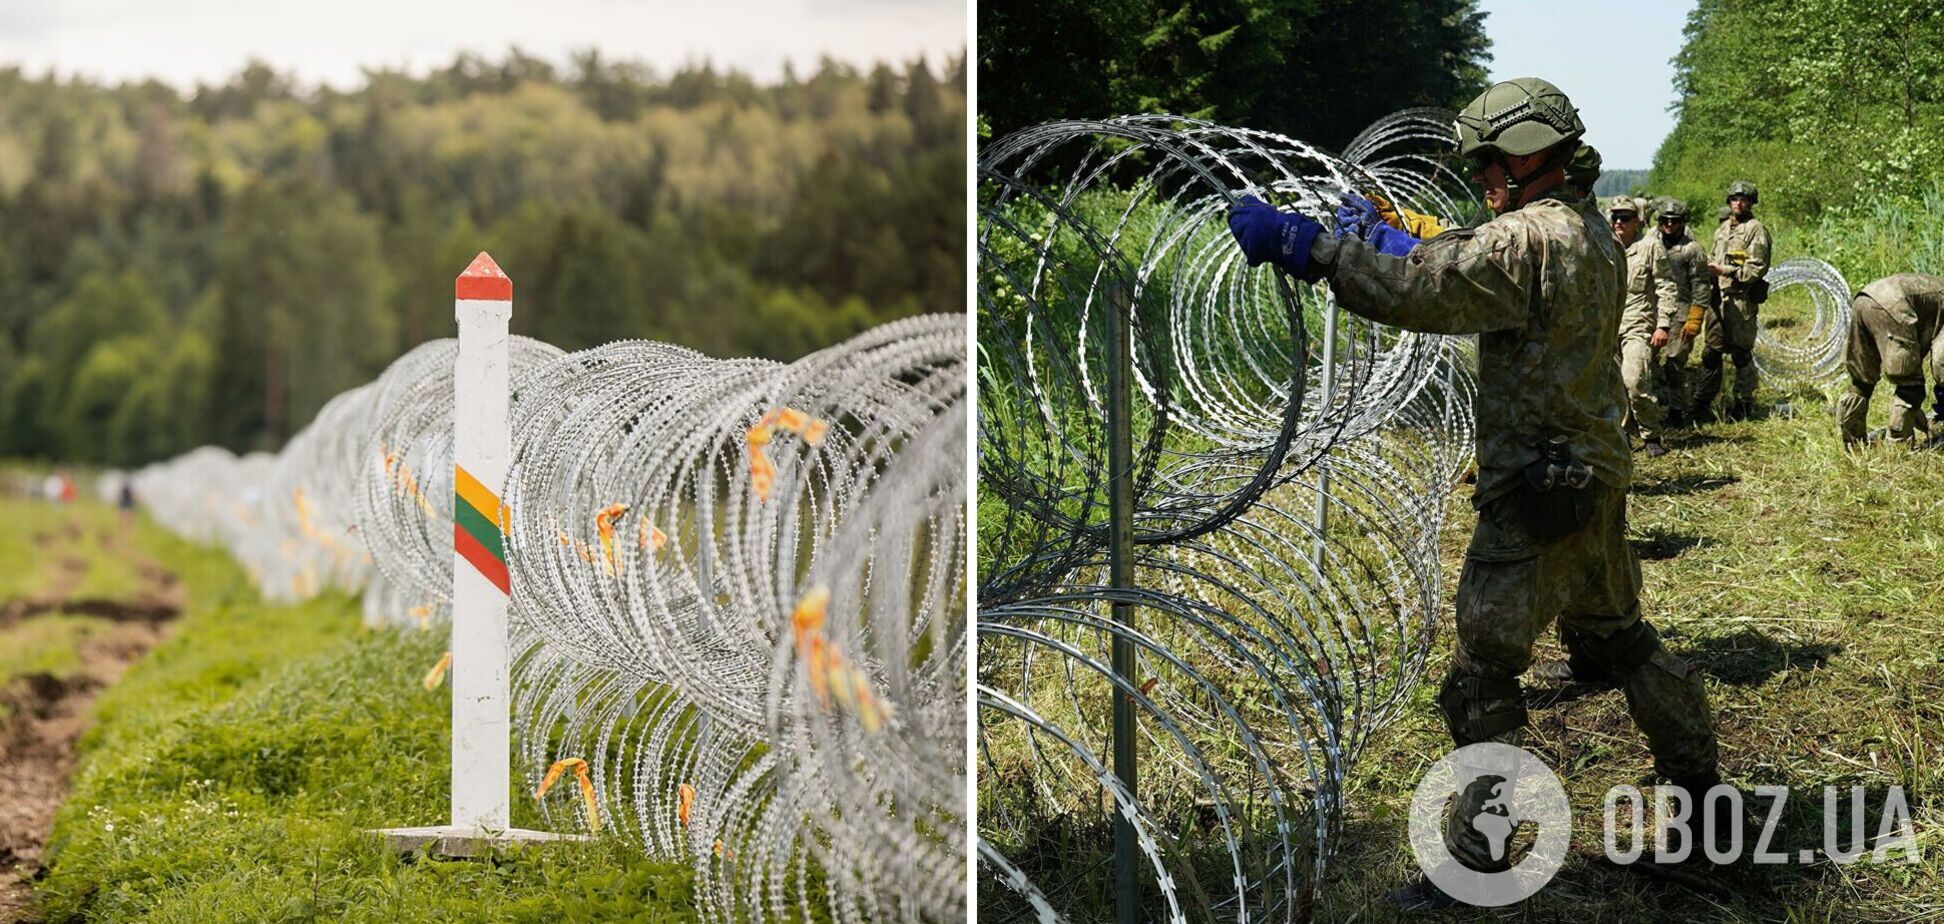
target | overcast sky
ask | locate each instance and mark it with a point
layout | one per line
(1612, 59)
(185, 41)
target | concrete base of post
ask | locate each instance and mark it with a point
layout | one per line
(455, 841)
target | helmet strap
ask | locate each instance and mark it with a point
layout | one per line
(1515, 182)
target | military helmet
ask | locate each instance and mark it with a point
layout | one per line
(1583, 170)
(1622, 204)
(1671, 207)
(1517, 117)
(1721, 214)
(1743, 188)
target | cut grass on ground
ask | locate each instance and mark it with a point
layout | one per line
(1804, 583)
(233, 773)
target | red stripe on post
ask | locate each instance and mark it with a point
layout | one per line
(483, 281)
(481, 559)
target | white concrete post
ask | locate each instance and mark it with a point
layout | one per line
(482, 728)
(481, 451)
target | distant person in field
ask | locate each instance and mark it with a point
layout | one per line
(1541, 285)
(1654, 296)
(125, 498)
(1894, 334)
(1688, 268)
(1739, 263)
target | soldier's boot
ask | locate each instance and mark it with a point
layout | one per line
(1580, 665)
(1710, 820)
(1476, 707)
(1743, 405)
(1852, 412)
(1669, 706)
(1907, 424)
(1422, 895)
(1654, 449)
(1674, 397)
(1706, 387)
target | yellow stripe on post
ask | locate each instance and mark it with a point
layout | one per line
(479, 496)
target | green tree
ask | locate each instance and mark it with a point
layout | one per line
(1316, 69)
(1820, 102)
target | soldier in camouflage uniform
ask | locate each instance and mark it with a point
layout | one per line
(1894, 334)
(1541, 284)
(1738, 262)
(1688, 269)
(1650, 295)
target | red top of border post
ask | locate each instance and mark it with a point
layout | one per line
(483, 281)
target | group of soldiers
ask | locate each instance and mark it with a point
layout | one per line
(1678, 293)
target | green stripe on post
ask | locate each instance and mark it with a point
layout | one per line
(479, 527)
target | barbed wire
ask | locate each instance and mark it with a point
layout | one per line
(738, 592)
(1288, 495)
(1814, 358)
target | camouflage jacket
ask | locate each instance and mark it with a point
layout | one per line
(1687, 265)
(1542, 287)
(1652, 294)
(1749, 238)
(1915, 304)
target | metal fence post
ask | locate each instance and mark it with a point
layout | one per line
(1120, 500)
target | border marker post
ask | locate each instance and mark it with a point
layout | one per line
(482, 452)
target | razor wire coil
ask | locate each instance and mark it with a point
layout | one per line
(1814, 358)
(1288, 495)
(738, 592)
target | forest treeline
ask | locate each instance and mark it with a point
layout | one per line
(211, 267)
(1318, 70)
(1824, 104)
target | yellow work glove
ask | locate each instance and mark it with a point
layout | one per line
(1421, 226)
(1693, 325)
(1416, 224)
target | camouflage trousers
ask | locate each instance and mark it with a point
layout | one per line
(1672, 374)
(1515, 584)
(1875, 353)
(1637, 372)
(1732, 323)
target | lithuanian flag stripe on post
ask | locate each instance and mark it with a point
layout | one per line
(479, 527)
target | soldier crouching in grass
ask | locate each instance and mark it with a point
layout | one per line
(1542, 285)
(1894, 334)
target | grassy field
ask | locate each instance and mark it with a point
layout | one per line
(1804, 583)
(231, 774)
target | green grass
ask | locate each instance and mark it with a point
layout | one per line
(39, 536)
(233, 773)
(1803, 582)
(49, 644)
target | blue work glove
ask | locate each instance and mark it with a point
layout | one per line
(1391, 240)
(1356, 216)
(1266, 234)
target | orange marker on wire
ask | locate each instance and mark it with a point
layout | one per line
(436, 675)
(586, 787)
